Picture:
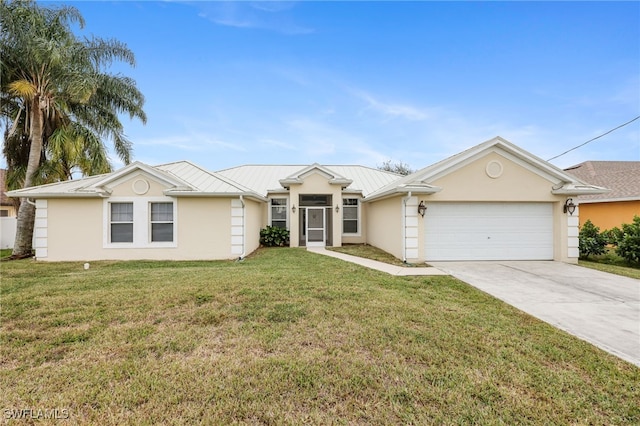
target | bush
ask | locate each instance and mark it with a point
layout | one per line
(629, 244)
(591, 241)
(613, 236)
(272, 236)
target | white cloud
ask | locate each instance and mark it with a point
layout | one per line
(271, 16)
(194, 142)
(405, 111)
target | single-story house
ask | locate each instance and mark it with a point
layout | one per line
(617, 206)
(494, 201)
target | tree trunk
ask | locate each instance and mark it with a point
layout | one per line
(23, 246)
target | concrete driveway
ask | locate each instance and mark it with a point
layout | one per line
(601, 308)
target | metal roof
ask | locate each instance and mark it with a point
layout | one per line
(186, 179)
(202, 180)
(266, 178)
(76, 187)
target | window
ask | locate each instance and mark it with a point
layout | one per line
(161, 222)
(121, 223)
(279, 212)
(349, 215)
(4, 213)
(140, 222)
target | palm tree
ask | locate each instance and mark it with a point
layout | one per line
(59, 96)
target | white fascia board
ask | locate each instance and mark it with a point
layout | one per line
(279, 191)
(405, 189)
(579, 190)
(608, 200)
(197, 194)
(18, 193)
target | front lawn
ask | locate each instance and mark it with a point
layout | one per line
(369, 252)
(612, 263)
(290, 337)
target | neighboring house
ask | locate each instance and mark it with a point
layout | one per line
(494, 201)
(7, 205)
(615, 207)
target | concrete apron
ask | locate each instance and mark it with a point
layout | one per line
(601, 308)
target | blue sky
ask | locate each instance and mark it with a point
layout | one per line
(364, 82)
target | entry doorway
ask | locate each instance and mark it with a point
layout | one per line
(316, 231)
(316, 221)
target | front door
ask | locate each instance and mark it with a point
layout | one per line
(315, 227)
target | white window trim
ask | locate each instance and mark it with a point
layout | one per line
(141, 223)
(359, 210)
(286, 209)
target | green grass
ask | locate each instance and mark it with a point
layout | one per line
(612, 263)
(5, 253)
(369, 252)
(626, 271)
(290, 337)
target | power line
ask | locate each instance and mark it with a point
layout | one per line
(591, 140)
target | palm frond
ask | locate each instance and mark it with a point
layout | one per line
(23, 88)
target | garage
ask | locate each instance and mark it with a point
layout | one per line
(488, 231)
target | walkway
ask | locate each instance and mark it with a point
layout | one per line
(379, 266)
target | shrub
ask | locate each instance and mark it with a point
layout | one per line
(272, 236)
(629, 244)
(613, 235)
(591, 241)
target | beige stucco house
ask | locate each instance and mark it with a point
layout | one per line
(494, 201)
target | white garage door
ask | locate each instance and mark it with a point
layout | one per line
(489, 231)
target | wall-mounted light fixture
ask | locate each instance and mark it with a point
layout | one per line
(422, 208)
(337, 208)
(293, 209)
(569, 207)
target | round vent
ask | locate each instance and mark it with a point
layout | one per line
(140, 186)
(494, 169)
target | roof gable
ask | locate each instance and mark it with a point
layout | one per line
(299, 177)
(422, 180)
(118, 176)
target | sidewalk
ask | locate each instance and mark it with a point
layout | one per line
(379, 266)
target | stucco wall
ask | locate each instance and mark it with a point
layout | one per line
(473, 183)
(315, 183)
(384, 225)
(609, 215)
(74, 229)
(202, 226)
(255, 220)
